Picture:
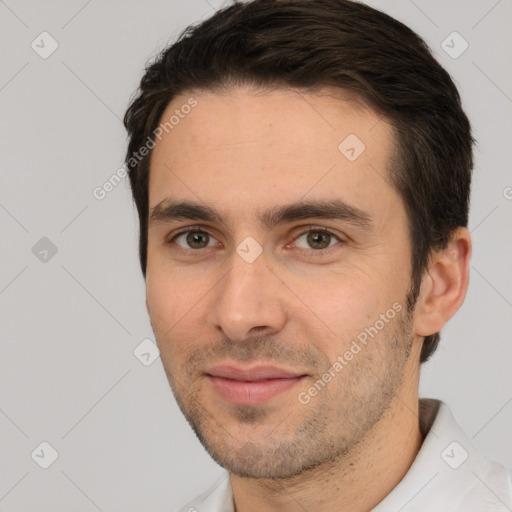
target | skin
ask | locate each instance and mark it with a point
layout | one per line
(296, 306)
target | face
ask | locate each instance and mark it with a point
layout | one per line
(277, 275)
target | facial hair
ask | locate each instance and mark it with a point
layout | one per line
(250, 442)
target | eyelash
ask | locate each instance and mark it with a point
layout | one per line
(313, 252)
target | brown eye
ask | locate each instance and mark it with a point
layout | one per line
(193, 239)
(317, 239)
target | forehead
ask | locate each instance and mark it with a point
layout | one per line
(244, 149)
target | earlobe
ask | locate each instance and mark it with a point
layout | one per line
(444, 286)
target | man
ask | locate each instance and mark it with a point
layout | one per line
(302, 174)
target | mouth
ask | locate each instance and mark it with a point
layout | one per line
(251, 386)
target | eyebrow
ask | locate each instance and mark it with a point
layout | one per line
(168, 211)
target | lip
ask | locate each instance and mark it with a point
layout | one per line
(252, 385)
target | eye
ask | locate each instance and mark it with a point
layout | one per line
(319, 239)
(193, 239)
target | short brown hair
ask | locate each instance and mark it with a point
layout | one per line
(308, 44)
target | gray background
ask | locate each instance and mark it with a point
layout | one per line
(69, 324)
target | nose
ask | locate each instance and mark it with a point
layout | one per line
(250, 300)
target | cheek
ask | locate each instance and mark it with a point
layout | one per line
(171, 305)
(340, 306)
(168, 292)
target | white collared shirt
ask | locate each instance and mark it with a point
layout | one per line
(448, 475)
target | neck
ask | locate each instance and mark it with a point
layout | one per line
(354, 482)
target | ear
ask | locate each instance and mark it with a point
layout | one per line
(444, 286)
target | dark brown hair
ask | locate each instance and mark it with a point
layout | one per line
(309, 44)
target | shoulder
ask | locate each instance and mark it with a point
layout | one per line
(449, 473)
